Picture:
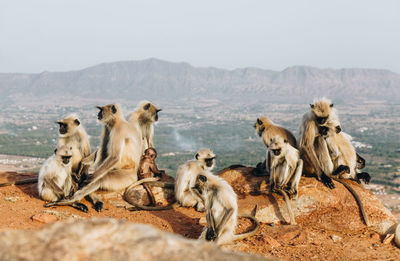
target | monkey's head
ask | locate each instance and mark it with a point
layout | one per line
(261, 124)
(207, 157)
(278, 145)
(148, 112)
(150, 153)
(64, 154)
(108, 113)
(201, 183)
(321, 109)
(68, 125)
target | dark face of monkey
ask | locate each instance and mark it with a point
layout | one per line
(276, 145)
(209, 162)
(64, 153)
(321, 111)
(152, 110)
(201, 181)
(63, 127)
(106, 112)
(68, 125)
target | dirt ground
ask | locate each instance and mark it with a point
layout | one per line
(309, 240)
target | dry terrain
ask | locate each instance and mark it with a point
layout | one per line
(324, 234)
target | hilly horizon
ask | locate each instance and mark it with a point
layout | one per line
(167, 81)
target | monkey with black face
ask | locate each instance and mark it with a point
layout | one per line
(54, 181)
(146, 115)
(312, 146)
(148, 169)
(186, 177)
(116, 161)
(266, 129)
(72, 134)
(286, 170)
(220, 202)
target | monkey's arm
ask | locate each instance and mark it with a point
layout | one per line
(151, 137)
(49, 182)
(155, 170)
(227, 215)
(89, 160)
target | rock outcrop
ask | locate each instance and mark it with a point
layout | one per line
(107, 239)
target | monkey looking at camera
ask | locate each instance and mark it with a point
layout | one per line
(266, 129)
(54, 181)
(286, 170)
(116, 161)
(312, 146)
(148, 169)
(146, 114)
(72, 134)
(220, 202)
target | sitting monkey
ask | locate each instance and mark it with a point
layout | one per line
(148, 169)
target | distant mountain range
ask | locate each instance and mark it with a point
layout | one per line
(157, 79)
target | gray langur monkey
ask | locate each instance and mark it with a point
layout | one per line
(72, 134)
(286, 170)
(54, 181)
(220, 202)
(116, 161)
(266, 129)
(186, 178)
(146, 114)
(312, 146)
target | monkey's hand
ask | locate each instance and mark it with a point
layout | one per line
(327, 181)
(364, 176)
(160, 174)
(341, 169)
(211, 235)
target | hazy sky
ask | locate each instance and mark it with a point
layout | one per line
(55, 35)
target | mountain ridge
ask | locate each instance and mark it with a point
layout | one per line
(179, 80)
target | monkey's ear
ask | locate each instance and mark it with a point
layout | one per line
(147, 106)
(285, 141)
(114, 109)
(331, 105)
(259, 121)
(312, 106)
(55, 151)
(70, 148)
(77, 122)
(270, 140)
(338, 129)
(202, 178)
(197, 156)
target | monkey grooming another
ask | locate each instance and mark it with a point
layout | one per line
(313, 147)
(116, 161)
(220, 202)
(286, 170)
(54, 181)
(72, 134)
(266, 129)
(145, 114)
(148, 169)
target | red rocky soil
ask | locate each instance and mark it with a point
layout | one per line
(333, 230)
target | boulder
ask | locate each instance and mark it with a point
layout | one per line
(163, 195)
(107, 239)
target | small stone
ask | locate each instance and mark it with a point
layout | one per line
(388, 239)
(289, 236)
(271, 224)
(272, 242)
(375, 237)
(336, 238)
(44, 218)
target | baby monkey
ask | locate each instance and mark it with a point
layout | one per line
(148, 169)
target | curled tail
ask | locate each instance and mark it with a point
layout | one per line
(151, 182)
(252, 217)
(20, 182)
(360, 204)
(289, 208)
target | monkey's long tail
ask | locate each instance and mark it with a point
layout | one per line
(252, 217)
(360, 204)
(397, 235)
(289, 207)
(151, 182)
(20, 182)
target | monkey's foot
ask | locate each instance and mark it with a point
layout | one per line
(211, 235)
(98, 206)
(341, 169)
(364, 176)
(50, 204)
(291, 193)
(200, 207)
(80, 206)
(327, 181)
